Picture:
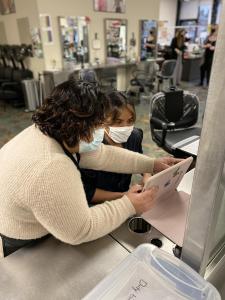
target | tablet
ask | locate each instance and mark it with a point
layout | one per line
(169, 179)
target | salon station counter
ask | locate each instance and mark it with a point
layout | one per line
(54, 270)
(123, 73)
(191, 68)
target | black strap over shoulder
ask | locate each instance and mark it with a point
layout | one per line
(76, 162)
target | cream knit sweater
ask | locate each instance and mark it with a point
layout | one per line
(41, 190)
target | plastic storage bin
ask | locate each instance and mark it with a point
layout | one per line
(150, 273)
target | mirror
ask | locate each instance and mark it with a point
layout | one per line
(116, 39)
(74, 38)
(148, 33)
(45, 21)
(46, 28)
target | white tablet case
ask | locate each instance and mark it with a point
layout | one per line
(169, 214)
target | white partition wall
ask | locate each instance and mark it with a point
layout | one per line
(204, 242)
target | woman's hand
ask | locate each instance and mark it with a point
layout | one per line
(142, 201)
(163, 163)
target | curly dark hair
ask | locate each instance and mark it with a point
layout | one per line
(72, 112)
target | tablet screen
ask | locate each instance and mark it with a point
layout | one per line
(169, 179)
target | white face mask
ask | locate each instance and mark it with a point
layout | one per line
(92, 146)
(120, 134)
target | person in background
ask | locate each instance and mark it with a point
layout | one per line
(150, 44)
(41, 188)
(209, 46)
(103, 186)
(178, 47)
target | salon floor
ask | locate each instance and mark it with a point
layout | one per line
(13, 120)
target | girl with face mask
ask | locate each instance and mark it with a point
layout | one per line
(120, 132)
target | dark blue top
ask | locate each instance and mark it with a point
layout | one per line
(113, 182)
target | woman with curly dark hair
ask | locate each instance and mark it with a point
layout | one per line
(40, 183)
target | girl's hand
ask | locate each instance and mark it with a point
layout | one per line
(143, 201)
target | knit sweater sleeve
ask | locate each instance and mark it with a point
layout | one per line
(115, 159)
(59, 205)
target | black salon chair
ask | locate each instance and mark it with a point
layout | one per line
(84, 74)
(6, 74)
(166, 72)
(143, 80)
(107, 78)
(88, 75)
(12, 91)
(174, 122)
